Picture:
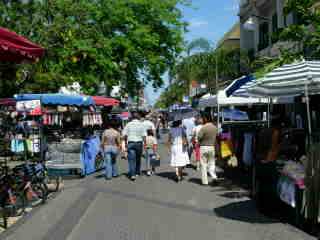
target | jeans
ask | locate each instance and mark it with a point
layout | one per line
(134, 158)
(110, 161)
(207, 162)
(150, 158)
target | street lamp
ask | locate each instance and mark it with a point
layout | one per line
(251, 24)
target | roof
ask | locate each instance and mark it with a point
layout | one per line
(57, 99)
(232, 34)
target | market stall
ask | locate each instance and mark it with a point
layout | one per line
(68, 122)
(288, 171)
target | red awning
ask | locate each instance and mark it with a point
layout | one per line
(15, 48)
(104, 101)
(7, 102)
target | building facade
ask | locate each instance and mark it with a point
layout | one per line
(260, 24)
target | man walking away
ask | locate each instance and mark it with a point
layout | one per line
(207, 141)
(149, 125)
(134, 134)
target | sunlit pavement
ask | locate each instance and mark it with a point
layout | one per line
(151, 208)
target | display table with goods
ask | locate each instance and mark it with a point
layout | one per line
(279, 179)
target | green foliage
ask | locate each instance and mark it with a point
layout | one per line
(305, 32)
(201, 67)
(201, 44)
(115, 41)
(173, 94)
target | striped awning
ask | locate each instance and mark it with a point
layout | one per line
(289, 80)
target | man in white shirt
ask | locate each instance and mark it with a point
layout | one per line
(134, 134)
(148, 124)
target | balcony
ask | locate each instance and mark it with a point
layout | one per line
(274, 50)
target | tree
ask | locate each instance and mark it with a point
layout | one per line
(306, 31)
(201, 44)
(115, 41)
(201, 67)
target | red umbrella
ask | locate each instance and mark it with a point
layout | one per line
(104, 101)
(7, 102)
(15, 48)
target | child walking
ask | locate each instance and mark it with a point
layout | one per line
(151, 152)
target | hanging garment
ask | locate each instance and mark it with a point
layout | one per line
(17, 145)
(247, 149)
(225, 149)
(33, 145)
(89, 151)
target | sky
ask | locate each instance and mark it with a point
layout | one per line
(209, 19)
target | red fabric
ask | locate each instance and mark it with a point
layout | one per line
(197, 152)
(104, 101)
(125, 115)
(7, 102)
(36, 112)
(15, 48)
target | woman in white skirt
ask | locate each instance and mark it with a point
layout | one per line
(179, 149)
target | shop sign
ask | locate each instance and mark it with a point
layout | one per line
(28, 106)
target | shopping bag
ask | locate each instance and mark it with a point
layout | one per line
(225, 149)
(155, 160)
(233, 161)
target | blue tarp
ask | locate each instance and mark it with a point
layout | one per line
(235, 115)
(89, 151)
(57, 99)
(238, 83)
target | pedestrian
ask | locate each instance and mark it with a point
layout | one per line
(207, 141)
(158, 125)
(177, 144)
(189, 124)
(148, 124)
(134, 136)
(150, 152)
(111, 143)
(196, 146)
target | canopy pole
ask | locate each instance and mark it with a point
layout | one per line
(218, 115)
(269, 111)
(308, 111)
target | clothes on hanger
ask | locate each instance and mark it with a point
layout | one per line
(247, 153)
(91, 119)
(17, 145)
(51, 119)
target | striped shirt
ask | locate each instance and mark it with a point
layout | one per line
(135, 131)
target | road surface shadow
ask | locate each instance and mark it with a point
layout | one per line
(243, 211)
(235, 194)
(167, 175)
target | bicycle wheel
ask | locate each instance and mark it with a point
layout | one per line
(16, 205)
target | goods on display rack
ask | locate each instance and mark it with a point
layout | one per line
(20, 183)
(68, 124)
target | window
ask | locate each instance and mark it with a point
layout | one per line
(263, 35)
(275, 23)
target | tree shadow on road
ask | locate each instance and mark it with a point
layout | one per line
(244, 211)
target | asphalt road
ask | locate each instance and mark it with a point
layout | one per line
(150, 208)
